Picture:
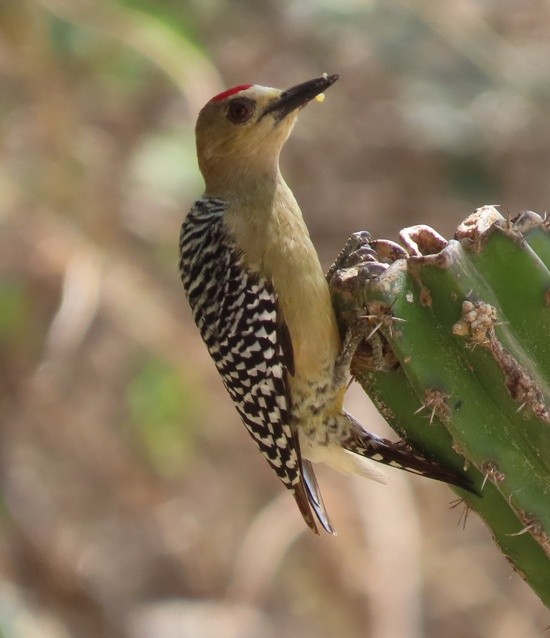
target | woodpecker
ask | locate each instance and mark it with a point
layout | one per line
(261, 301)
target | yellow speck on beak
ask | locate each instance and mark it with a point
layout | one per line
(320, 97)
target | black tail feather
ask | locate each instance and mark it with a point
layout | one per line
(402, 455)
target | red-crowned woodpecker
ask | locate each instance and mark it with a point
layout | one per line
(262, 304)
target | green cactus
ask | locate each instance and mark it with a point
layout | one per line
(457, 359)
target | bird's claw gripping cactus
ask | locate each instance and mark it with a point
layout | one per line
(459, 362)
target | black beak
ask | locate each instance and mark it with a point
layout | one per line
(298, 96)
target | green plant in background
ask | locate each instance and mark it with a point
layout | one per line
(458, 361)
(163, 412)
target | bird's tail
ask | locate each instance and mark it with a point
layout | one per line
(400, 455)
(309, 500)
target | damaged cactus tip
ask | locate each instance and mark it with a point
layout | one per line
(458, 362)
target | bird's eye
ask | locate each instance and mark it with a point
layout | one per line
(240, 110)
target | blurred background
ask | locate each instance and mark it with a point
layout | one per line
(133, 502)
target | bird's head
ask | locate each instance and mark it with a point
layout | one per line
(242, 130)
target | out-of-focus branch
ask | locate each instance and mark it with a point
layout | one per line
(183, 62)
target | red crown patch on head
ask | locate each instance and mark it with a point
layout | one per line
(226, 94)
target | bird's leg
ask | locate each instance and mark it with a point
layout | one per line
(357, 254)
(360, 256)
(357, 331)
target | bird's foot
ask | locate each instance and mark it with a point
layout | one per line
(361, 260)
(351, 253)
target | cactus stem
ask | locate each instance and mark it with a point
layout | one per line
(474, 353)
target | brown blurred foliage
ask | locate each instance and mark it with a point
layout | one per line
(133, 502)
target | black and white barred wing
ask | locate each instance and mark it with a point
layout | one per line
(237, 314)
